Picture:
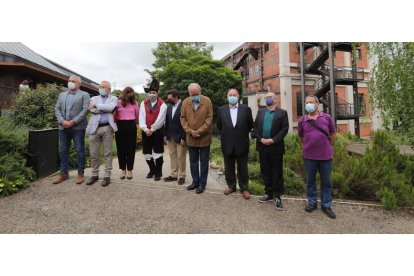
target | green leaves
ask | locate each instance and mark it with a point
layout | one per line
(392, 84)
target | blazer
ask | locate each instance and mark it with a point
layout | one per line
(235, 138)
(173, 128)
(280, 127)
(199, 121)
(100, 107)
(78, 109)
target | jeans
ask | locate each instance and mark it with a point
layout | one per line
(324, 167)
(199, 165)
(65, 138)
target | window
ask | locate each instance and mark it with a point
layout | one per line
(299, 103)
(361, 104)
(257, 70)
(358, 54)
(266, 47)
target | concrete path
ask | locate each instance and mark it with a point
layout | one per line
(145, 206)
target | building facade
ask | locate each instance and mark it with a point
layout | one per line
(276, 67)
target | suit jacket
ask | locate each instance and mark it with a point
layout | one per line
(235, 137)
(78, 109)
(280, 127)
(100, 107)
(173, 128)
(199, 120)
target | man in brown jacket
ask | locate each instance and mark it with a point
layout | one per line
(196, 119)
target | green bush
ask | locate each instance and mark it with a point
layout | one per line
(35, 108)
(388, 199)
(256, 188)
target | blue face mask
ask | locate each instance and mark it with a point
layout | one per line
(232, 99)
(269, 101)
(102, 92)
(310, 107)
(195, 98)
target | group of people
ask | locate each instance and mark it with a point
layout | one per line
(186, 126)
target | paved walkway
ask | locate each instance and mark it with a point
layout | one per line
(145, 206)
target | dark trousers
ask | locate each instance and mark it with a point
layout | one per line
(325, 168)
(65, 137)
(242, 171)
(126, 141)
(199, 165)
(271, 169)
(155, 142)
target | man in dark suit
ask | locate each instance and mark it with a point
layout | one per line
(176, 138)
(270, 128)
(235, 122)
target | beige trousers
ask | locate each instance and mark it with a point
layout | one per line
(103, 136)
(178, 155)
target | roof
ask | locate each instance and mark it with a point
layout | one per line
(21, 51)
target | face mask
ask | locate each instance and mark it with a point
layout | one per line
(232, 99)
(171, 102)
(131, 97)
(269, 101)
(102, 92)
(195, 98)
(153, 98)
(71, 85)
(310, 107)
(23, 87)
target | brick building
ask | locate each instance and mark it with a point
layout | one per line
(275, 67)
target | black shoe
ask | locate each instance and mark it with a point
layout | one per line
(105, 181)
(181, 181)
(92, 180)
(278, 203)
(170, 179)
(199, 190)
(310, 208)
(265, 198)
(329, 213)
(129, 177)
(157, 178)
(151, 165)
(123, 177)
(150, 175)
(192, 187)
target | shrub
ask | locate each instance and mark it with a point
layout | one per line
(294, 185)
(35, 108)
(388, 199)
(256, 188)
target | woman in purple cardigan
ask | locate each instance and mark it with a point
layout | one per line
(126, 117)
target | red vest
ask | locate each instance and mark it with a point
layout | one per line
(152, 115)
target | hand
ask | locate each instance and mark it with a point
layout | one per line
(148, 132)
(165, 140)
(91, 105)
(66, 124)
(195, 134)
(183, 143)
(71, 124)
(266, 142)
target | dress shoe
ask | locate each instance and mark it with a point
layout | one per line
(181, 181)
(157, 178)
(150, 175)
(310, 208)
(192, 187)
(199, 190)
(80, 179)
(329, 212)
(105, 181)
(61, 177)
(92, 180)
(129, 175)
(228, 191)
(170, 179)
(246, 195)
(122, 175)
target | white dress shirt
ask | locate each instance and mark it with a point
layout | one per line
(233, 113)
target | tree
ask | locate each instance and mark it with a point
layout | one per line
(214, 78)
(166, 52)
(392, 84)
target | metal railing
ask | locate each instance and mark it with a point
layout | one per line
(316, 53)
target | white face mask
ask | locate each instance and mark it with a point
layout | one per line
(23, 86)
(71, 85)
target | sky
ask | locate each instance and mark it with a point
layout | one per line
(121, 63)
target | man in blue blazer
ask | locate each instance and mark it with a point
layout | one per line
(70, 110)
(176, 138)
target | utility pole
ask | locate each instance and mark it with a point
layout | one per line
(332, 82)
(302, 74)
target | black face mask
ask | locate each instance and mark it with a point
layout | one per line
(131, 97)
(171, 102)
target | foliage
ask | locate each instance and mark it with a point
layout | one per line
(35, 108)
(214, 78)
(14, 174)
(388, 199)
(167, 52)
(392, 84)
(139, 138)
